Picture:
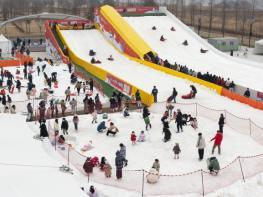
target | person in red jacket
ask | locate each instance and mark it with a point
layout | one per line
(133, 137)
(218, 139)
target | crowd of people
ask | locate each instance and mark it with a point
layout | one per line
(221, 81)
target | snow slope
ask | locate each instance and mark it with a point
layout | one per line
(145, 78)
(242, 72)
(17, 147)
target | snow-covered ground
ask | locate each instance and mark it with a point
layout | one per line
(246, 73)
(29, 167)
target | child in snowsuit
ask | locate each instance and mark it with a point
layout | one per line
(176, 150)
(141, 137)
(107, 169)
(133, 138)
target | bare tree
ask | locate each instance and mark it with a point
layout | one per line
(211, 4)
(236, 14)
(223, 17)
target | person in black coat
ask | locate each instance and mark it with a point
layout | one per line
(119, 165)
(193, 90)
(29, 111)
(166, 131)
(174, 95)
(64, 126)
(221, 123)
(43, 130)
(91, 84)
(18, 85)
(154, 93)
(247, 93)
(179, 120)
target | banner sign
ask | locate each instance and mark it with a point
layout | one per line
(119, 84)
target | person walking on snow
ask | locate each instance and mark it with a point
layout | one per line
(67, 93)
(200, 145)
(119, 165)
(145, 115)
(155, 93)
(217, 142)
(176, 151)
(123, 154)
(133, 138)
(76, 121)
(94, 116)
(221, 122)
(179, 120)
(64, 126)
(174, 94)
(73, 104)
(156, 165)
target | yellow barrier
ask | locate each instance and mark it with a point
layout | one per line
(100, 73)
(128, 34)
(175, 73)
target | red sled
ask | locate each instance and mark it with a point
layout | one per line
(89, 93)
(187, 96)
(2, 92)
(55, 84)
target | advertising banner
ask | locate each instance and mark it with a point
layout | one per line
(119, 84)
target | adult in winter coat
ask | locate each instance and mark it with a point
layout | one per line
(43, 130)
(76, 121)
(167, 134)
(179, 121)
(29, 111)
(112, 129)
(119, 165)
(217, 142)
(247, 93)
(88, 167)
(174, 94)
(156, 165)
(18, 85)
(56, 125)
(200, 145)
(123, 154)
(138, 99)
(193, 90)
(155, 93)
(91, 106)
(64, 126)
(101, 127)
(63, 107)
(145, 115)
(73, 104)
(221, 122)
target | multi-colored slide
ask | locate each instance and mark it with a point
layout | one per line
(132, 43)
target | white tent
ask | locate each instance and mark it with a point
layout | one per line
(258, 47)
(5, 45)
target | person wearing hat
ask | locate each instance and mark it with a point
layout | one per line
(200, 145)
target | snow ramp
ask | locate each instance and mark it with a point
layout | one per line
(129, 40)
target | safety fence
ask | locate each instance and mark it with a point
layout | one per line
(239, 124)
(199, 182)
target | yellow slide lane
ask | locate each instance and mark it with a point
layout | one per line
(129, 35)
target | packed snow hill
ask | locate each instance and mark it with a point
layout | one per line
(174, 49)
